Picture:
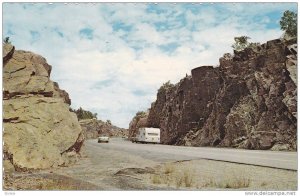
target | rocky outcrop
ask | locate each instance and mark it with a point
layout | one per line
(39, 130)
(185, 106)
(140, 120)
(93, 128)
(250, 105)
(249, 101)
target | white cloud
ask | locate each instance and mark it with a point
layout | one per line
(147, 32)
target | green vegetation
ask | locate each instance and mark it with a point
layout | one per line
(232, 182)
(242, 42)
(169, 168)
(108, 122)
(6, 40)
(166, 86)
(156, 179)
(288, 23)
(253, 45)
(56, 185)
(177, 175)
(188, 177)
(84, 114)
(140, 114)
(172, 175)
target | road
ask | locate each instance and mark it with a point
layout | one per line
(122, 165)
(164, 153)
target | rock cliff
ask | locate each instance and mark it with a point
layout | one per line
(140, 120)
(93, 128)
(39, 130)
(248, 101)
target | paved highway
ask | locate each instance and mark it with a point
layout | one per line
(163, 153)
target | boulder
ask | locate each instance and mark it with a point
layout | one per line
(39, 130)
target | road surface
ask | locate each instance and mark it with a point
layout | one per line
(122, 165)
(164, 153)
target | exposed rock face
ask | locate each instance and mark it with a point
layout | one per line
(249, 101)
(185, 106)
(93, 128)
(250, 104)
(140, 120)
(39, 130)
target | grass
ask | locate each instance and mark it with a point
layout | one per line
(56, 185)
(230, 182)
(188, 177)
(234, 183)
(169, 168)
(176, 175)
(184, 179)
(48, 182)
(263, 184)
(179, 181)
(171, 175)
(156, 179)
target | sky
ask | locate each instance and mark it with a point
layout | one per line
(112, 57)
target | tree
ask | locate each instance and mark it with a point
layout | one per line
(84, 114)
(140, 113)
(166, 86)
(6, 40)
(95, 115)
(288, 23)
(254, 44)
(241, 43)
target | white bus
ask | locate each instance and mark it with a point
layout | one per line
(147, 135)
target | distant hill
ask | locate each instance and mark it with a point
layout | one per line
(93, 128)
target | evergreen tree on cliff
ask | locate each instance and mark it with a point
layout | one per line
(288, 23)
(84, 114)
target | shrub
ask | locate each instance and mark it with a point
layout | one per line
(178, 181)
(232, 182)
(166, 86)
(140, 113)
(156, 179)
(108, 122)
(84, 114)
(188, 177)
(6, 40)
(169, 168)
(253, 45)
(172, 174)
(240, 43)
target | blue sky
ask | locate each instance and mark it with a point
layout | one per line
(112, 57)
